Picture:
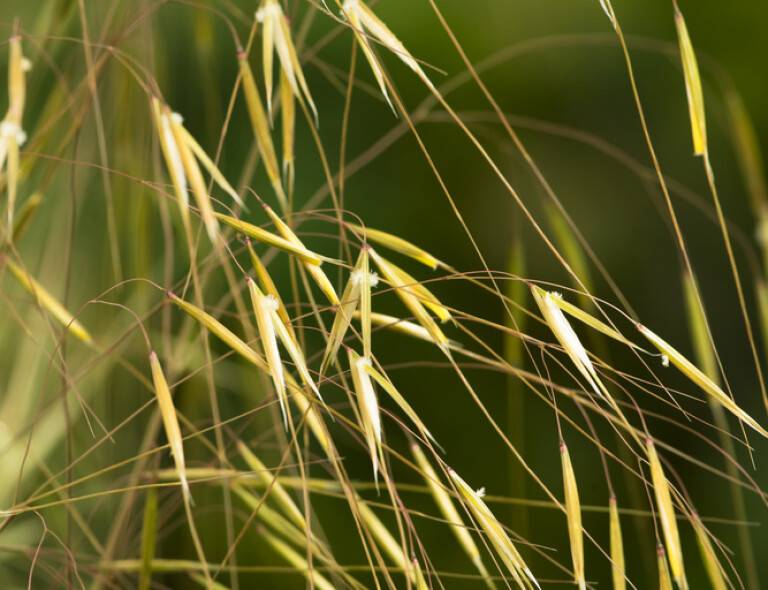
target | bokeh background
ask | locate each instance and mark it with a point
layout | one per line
(560, 76)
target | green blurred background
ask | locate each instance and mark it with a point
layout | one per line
(563, 83)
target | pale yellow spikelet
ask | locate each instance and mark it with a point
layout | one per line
(12, 141)
(268, 286)
(450, 513)
(260, 126)
(353, 17)
(699, 378)
(368, 406)
(195, 179)
(398, 398)
(350, 299)
(692, 85)
(567, 338)
(12, 136)
(288, 127)
(365, 23)
(292, 347)
(618, 573)
(412, 302)
(587, 318)
(209, 165)
(276, 36)
(265, 15)
(170, 423)
(262, 308)
(666, 512)
(608, 10)
(573, 515)
(665, 582)
(172, 159)
(18, 66)
(406, 327)
(262, 235)
(427, 298)
(314, 270)
(297, 561)
(367, 280)
(396, 244)
(281, 495)
(49, 303)
(708, 555)
(496, 534)
(419, 581)
(220, 331)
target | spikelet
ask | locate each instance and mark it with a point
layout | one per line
(397, 397)
(170, 423)
(368, 406)
(263, 305)
(195, 179)
(262, 235)
(667, 517)
(12, 136)
(587, 318)
(367, 281)
(268, 286)
(699, 378)
(292, 347)
(314, 270)
(208, 164)
(708, 555)
(288, 126)
(396, 244)
(567, 338)
(411, 301)
(501, 542)
(424, 295)
(618, 572)
(608, 10)
(49, 303)
(350, 299)
(282, 497)
(220, 331)
(665, 582)
(445, 504)
(365, 23)
(260, 126)
(692, 86)
(300, 563)
(573, 514)
(276, 36)
(172, 158)
(406, 327)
